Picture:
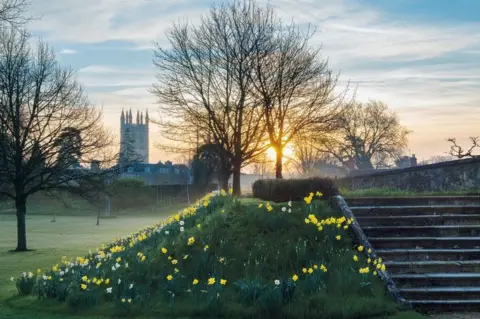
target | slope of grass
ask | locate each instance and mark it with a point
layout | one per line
(222, 258)
(391, 192)
(69, 236)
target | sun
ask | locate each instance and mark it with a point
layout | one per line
(287, 152)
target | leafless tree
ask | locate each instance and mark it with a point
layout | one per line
(295, 86)
(47, 126)
(367, 132)
(437, 159)
(13, 14)
(458, 151)
(204, 82)
(307, 156)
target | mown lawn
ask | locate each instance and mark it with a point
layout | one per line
(69, 236)
(391, 192)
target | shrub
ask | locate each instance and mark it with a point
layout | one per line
(284, 190)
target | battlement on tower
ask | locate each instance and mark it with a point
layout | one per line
(134, 139)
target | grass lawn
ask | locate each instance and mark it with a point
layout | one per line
(391, 192)
(69, 236)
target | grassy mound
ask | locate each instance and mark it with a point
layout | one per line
(224, 258)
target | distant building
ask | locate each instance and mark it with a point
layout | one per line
(157, 174)
(134, 136)
(406, 161)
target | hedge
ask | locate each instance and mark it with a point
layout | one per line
(284, 190)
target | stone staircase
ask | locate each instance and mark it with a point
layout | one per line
(430, 245)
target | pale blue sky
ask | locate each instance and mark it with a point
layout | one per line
(421, 57)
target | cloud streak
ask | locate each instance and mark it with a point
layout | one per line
(427, 70)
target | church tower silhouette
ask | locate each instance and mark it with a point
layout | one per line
(134, 136)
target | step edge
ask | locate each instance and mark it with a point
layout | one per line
(430, 250)
(442, 275)
(433, 262)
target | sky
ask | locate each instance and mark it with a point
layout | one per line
(421, 57)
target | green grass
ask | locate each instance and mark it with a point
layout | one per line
(69, 236)
(391, 192)
(242, 230)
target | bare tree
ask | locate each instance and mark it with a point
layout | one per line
(12, 14)
(307, 156)
(368, 132)
(458, 151)
(204, 83)
(437, 159)
(295, 86)
(46, 126)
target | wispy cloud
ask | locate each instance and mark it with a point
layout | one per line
(67, 51)
(427, 70)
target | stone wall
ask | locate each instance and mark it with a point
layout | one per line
(453, 175)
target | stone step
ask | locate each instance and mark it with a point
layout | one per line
(418, 220)
(432, 266)
(422, 231)
(414, 210)
(424, 242)
(413, 200)
(436, 280)
(441, 293)
(450, 305)
(428, 254)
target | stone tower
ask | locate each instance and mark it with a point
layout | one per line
(135, 135)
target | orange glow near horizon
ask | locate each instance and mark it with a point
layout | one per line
(287, 152)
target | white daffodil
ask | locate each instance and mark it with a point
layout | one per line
(182, 229)
(277, 282)
(12, 279)
(290, 210)
(126, 265)
(62, 273)
(182, 223)
(167, 232)
(109, 290)
(131, 286)
(119, 281)
(284, 209)
(290, 203)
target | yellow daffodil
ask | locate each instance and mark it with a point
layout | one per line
(294, 277)
(195, 282)
(223, 282)
(169, 277)
(211, 281)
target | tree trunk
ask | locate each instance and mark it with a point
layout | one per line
(236, 178)
(278, 162)
(224, 182)
(21, 206)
